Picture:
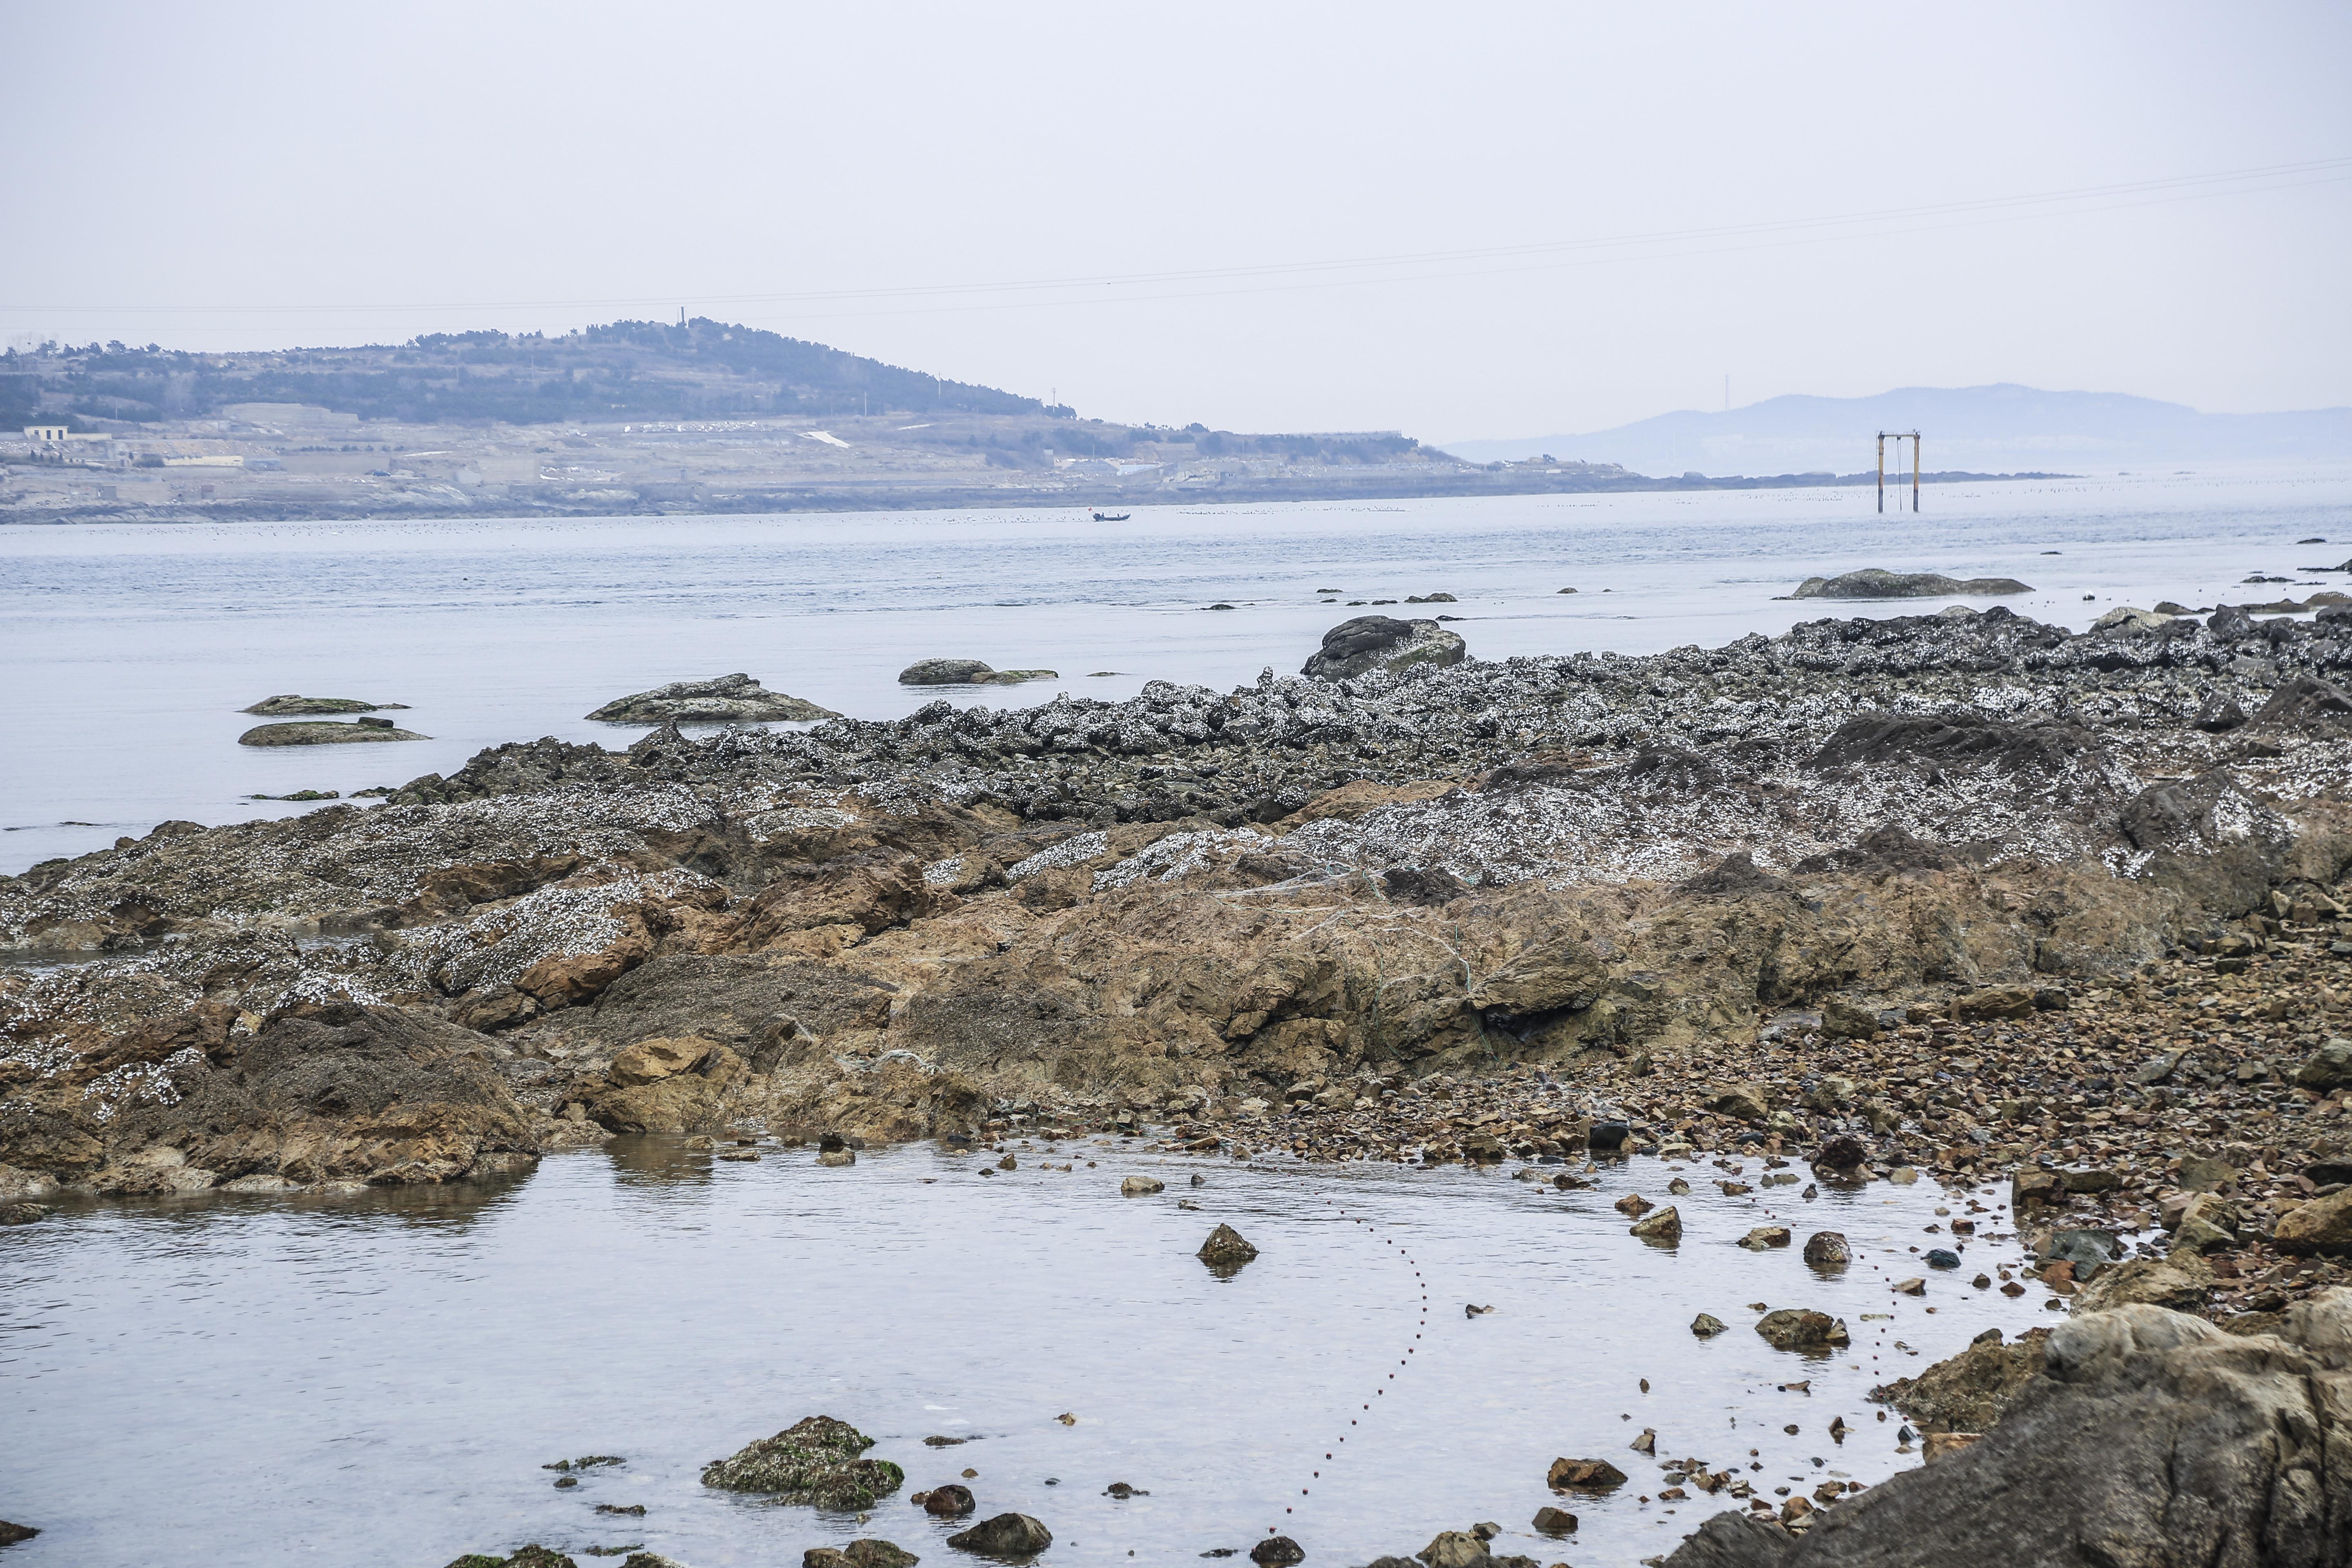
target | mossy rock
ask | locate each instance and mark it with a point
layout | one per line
(531, 1556)
(815, 1462)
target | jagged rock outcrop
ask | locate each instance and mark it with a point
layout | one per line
(1382, 642)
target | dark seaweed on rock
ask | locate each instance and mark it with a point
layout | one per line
(1961, 738)
(813, 1461)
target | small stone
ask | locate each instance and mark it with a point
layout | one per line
(1141, 1186)
(1707, 1325)
(1552, 1521)
(1765, 1236)
(1911, 1287)
(1937, 1257)
(1666, 1226)
(1277, 1550)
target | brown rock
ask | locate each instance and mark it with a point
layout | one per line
(1225, 1249)
(1552, 1521)
(1664, 1227)
(1800, 1329)
(1993, 1002)
(1584, 1475)
(1827, 1249)
(2321, 1225)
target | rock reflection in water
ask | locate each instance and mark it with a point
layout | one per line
(391, 1370)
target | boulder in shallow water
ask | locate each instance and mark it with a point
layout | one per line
(291, 706)
(813, 1461)
(1226, 1250)
(1584, 1475)
(12, 1533)
(325, 733)
(735, 698)
(967, 672)
(1875, 583)
(870, 1552)
(1006, 1536)
(1800, 1329)
(2151, 1437)
(1382, 642)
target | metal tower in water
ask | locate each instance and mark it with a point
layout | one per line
(1898, 438)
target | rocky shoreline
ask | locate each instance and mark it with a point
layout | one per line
(1964, 894)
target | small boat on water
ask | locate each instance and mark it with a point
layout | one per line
(1112, 517)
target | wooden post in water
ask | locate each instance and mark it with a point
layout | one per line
(1915, 470)
(1882, 472)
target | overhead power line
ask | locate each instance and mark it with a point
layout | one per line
(1708, 240)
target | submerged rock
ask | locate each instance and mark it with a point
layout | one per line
(1277, 1552)
(12, 1533)
(967, 672)
(735, 698)
(1875, 583)
(325, 733)
(1371, 643)
(290, 706)
(813, 1461)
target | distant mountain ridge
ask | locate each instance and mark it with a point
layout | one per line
(1997, 428)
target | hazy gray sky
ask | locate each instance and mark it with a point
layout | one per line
(868, 175)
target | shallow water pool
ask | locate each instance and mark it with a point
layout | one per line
(379, 1379)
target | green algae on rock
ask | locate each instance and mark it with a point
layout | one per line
(815, 1461)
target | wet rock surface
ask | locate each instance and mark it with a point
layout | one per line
(1006, 1536)
(815, 1461)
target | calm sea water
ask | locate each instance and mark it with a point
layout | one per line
(377, 1382)
(129, 650)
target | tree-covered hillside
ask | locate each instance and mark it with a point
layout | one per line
(624, 370)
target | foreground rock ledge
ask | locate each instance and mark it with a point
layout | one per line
(2153, 1438)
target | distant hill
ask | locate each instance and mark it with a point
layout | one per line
(1998, 428)
(621, 370)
